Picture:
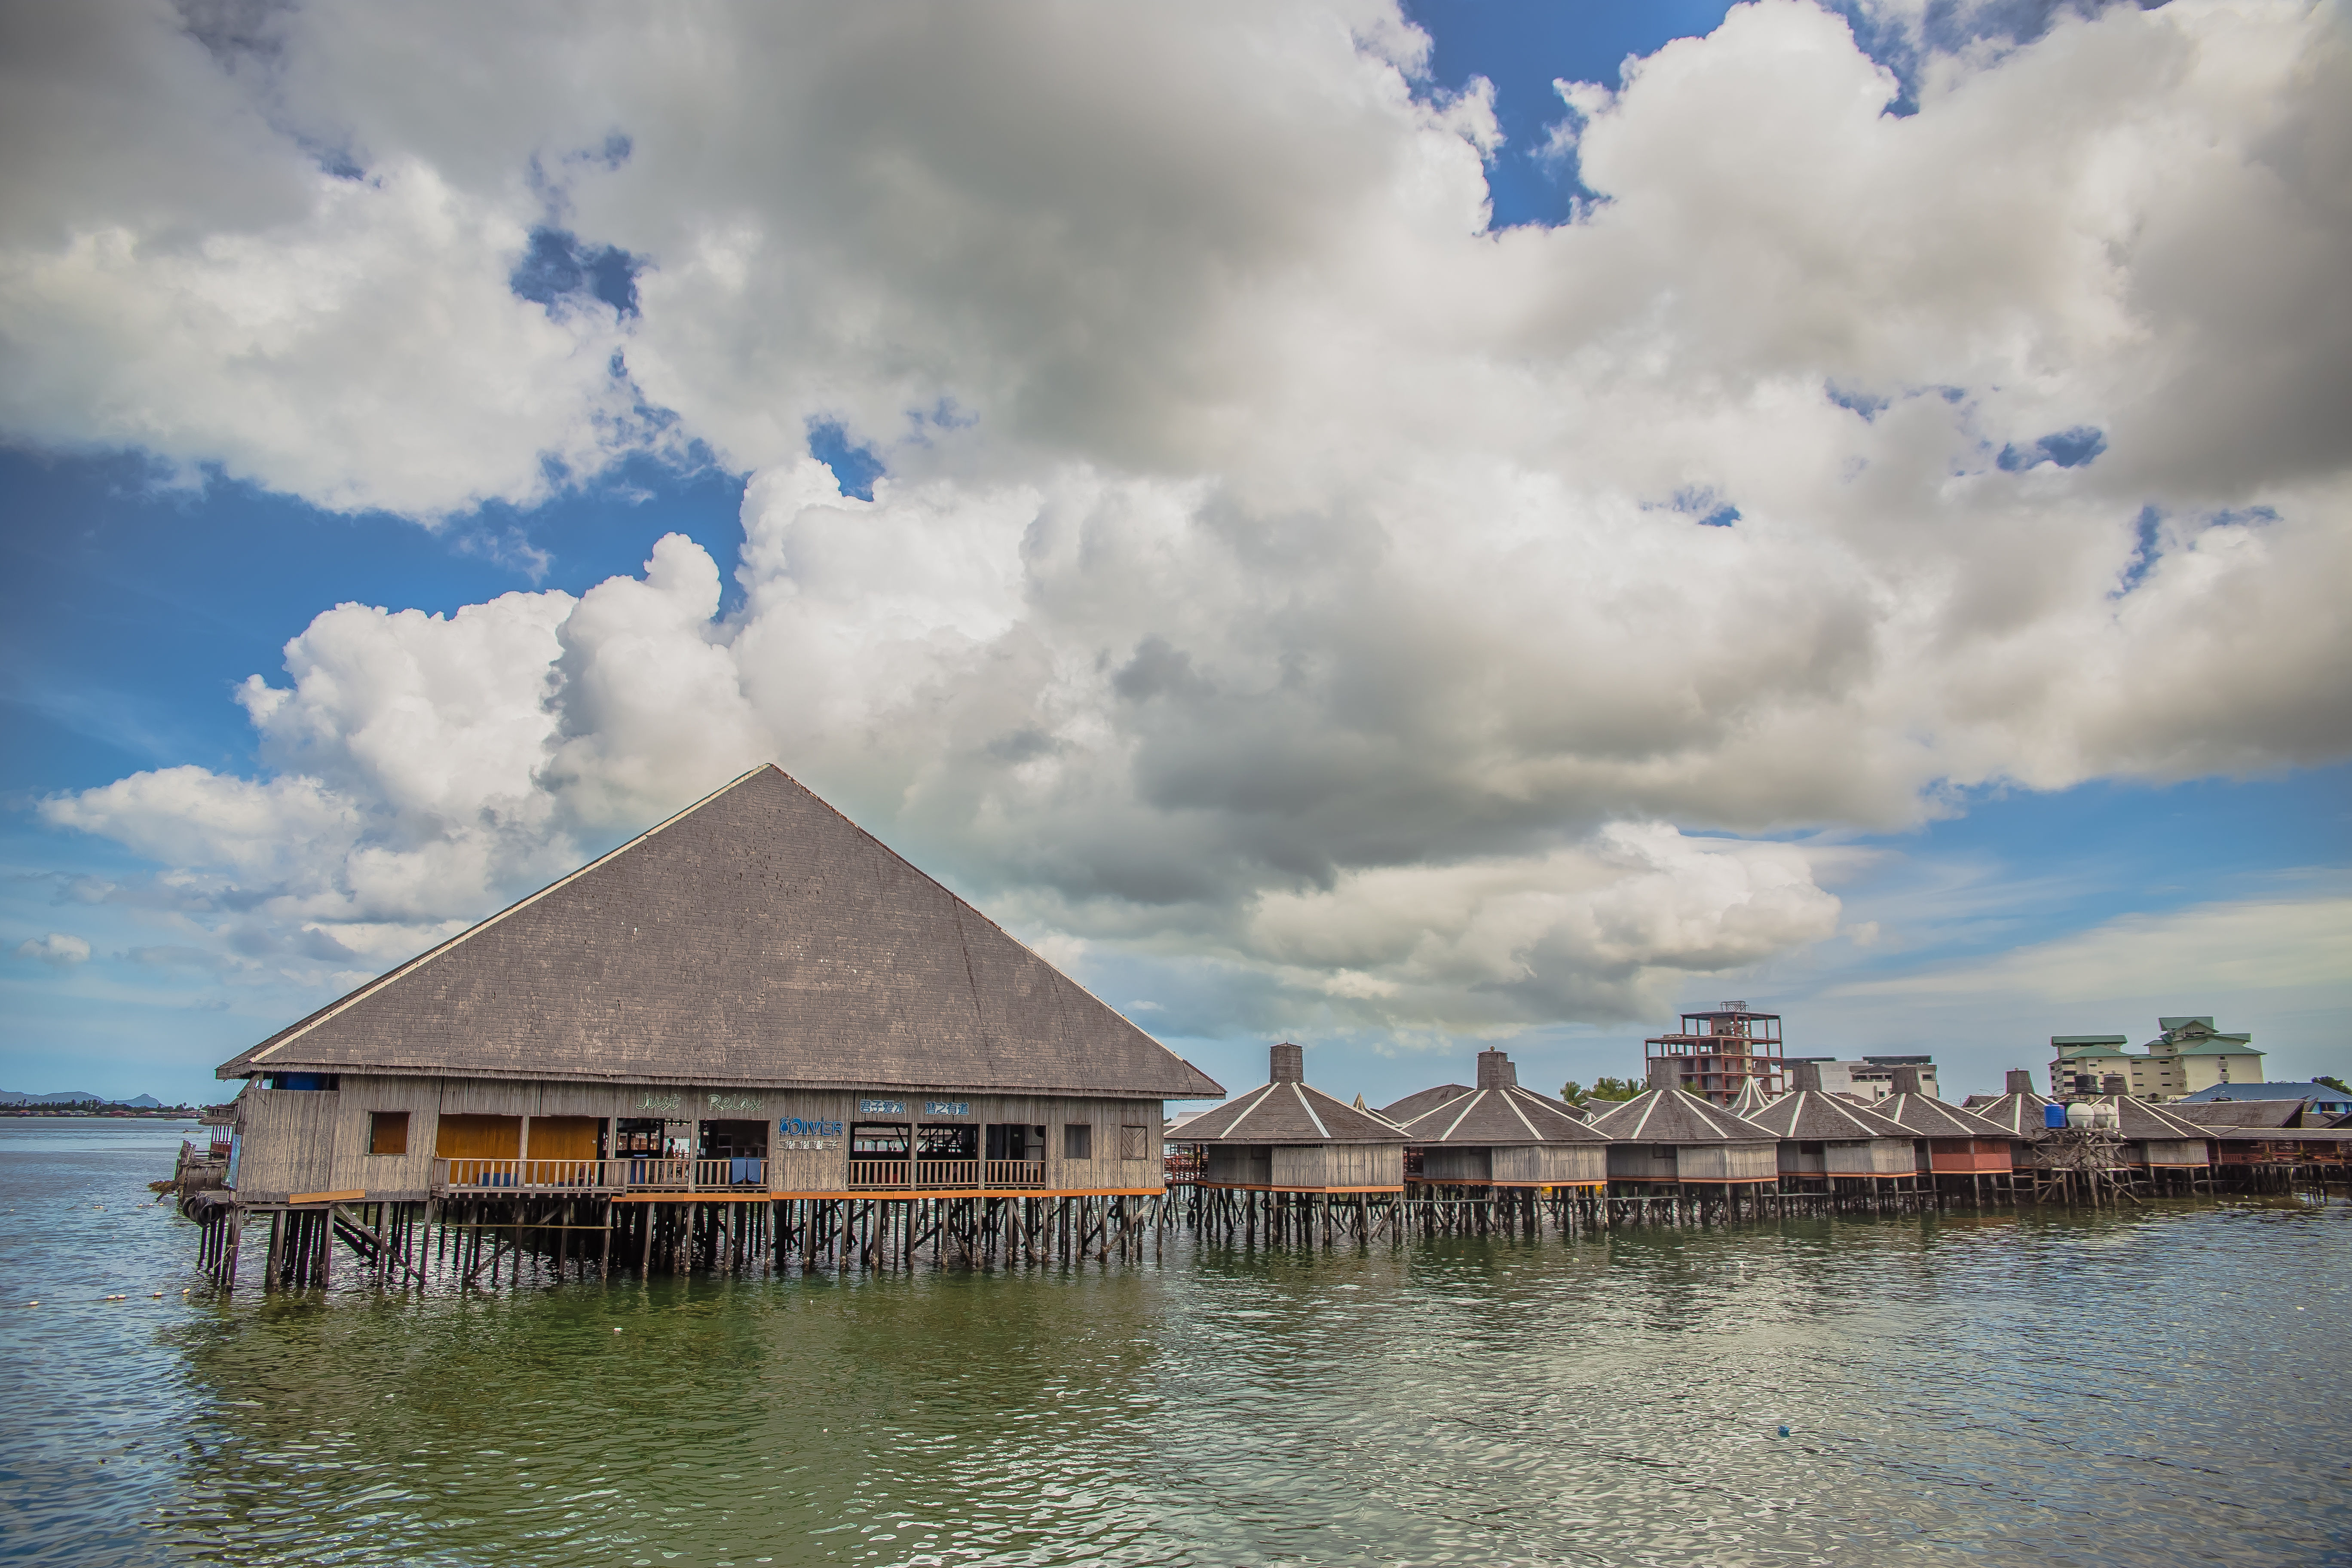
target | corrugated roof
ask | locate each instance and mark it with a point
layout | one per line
(757, 937)
(1810, 1116)
(1678, 1116)
(1927, 1117)
(1501, 1118)
(2318, 1091)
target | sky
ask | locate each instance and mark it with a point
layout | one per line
(1404, 528)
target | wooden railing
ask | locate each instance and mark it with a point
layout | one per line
(643, 1173)
(931, 1175)
(655, 1173)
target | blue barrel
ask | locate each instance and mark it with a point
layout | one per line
(2053, 1115)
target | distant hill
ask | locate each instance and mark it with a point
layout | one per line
(74, 1096)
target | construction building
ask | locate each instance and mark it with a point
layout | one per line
(1717, 1053)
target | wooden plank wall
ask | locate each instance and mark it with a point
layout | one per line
(317, 1140)
(1550, 1163)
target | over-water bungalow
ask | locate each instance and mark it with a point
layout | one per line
(1498, 1134)
(1953, 1145)
(2172, 1153)
(2024, 1116)
(1287, 1136)
(754, 1001)
(1669, 1137)
(1829, 1144)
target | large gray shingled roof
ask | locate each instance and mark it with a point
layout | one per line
(758, 939)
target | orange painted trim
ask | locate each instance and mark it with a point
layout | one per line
(354, 1196)
(893, 1193)
(1532, 1186)
(1703, 1181)
(1250, 1187)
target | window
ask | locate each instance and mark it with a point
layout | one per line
(879, 1141)
(315, 1081)
(951, 1142)
(1078, 1141)
(1132, 1144)
(388, 1132)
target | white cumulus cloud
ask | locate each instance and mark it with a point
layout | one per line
(60, 950)
(1277, 570)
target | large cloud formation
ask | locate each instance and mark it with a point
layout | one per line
(1280, 571)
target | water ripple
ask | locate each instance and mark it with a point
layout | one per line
(2143, 1388)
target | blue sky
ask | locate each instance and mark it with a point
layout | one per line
(1966, 886)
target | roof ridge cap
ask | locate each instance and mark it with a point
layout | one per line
(1523, 1120)
(1298, 1092)
(1469, 1102)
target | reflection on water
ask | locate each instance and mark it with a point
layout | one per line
(2151, 1387)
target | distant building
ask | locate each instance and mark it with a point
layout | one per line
(2318, 1098)
(2190, 1055)
(1872, 1077)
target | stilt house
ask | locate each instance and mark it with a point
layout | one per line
(1287, 1137)
(2022, 1115)
(1826, 1141)
(1951, 1142)
(2160, 1145)
(1501, 1135)
(755, 997)
(1667, 1134)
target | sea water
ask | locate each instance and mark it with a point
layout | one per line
(2163, 1385)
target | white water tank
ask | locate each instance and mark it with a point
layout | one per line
(2107, 1114)
(2079, 1114)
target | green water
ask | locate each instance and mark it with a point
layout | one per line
(2157, 1387)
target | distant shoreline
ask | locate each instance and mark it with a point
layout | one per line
(107, 1112)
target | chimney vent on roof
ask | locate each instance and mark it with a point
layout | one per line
(1496, 1071)
(1907, 1081)
(2018, 1082)
(1805, 1075)
(1665, 1072)
(1286, 1063)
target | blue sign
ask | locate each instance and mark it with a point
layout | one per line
(881, 1107)
(793, 1127)
(946, 1108)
